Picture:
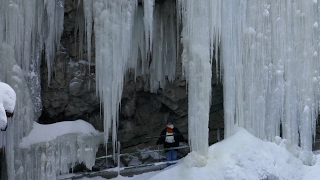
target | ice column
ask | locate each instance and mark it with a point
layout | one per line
(198, 34)
(270, 68)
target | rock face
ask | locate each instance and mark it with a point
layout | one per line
(71, 95)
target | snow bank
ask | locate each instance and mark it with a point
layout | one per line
(241, 156)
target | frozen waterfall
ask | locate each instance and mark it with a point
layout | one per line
(267, 51)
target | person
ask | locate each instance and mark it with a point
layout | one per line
(170, 138)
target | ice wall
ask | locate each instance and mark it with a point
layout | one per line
(128, 38)
(270, 61)
(28, 29)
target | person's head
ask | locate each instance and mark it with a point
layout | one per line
(169, 121)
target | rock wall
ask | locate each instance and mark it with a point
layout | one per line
(71, 94)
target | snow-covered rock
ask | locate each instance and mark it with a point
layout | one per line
(7, 103)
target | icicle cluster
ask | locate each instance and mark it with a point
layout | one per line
(271, 67)
(130, 37)
(269, 60)
(199, 35)
(113, 22)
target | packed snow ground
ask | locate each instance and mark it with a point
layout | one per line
(241, 156)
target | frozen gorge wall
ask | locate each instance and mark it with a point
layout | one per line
(30, 30)
(25, 31)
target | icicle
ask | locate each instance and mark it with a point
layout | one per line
(54, 27)
(148, 6)
(88, 24)
(138, 48)
(163, 63)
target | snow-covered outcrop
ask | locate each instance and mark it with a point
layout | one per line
(7, 104)
(50, 150)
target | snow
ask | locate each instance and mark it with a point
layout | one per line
(45, 133)
(241, 156)
(7, 103)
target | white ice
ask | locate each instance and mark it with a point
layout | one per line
(7, 103)
(241, 156)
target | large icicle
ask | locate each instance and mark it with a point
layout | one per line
(113, 22)
(148, 6)
(198, 40)
(271, 69)
(163, 64)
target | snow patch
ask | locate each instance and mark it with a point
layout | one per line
(7, 103)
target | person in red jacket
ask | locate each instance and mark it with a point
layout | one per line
(170, 138)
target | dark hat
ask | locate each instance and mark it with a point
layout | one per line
(170, 120)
